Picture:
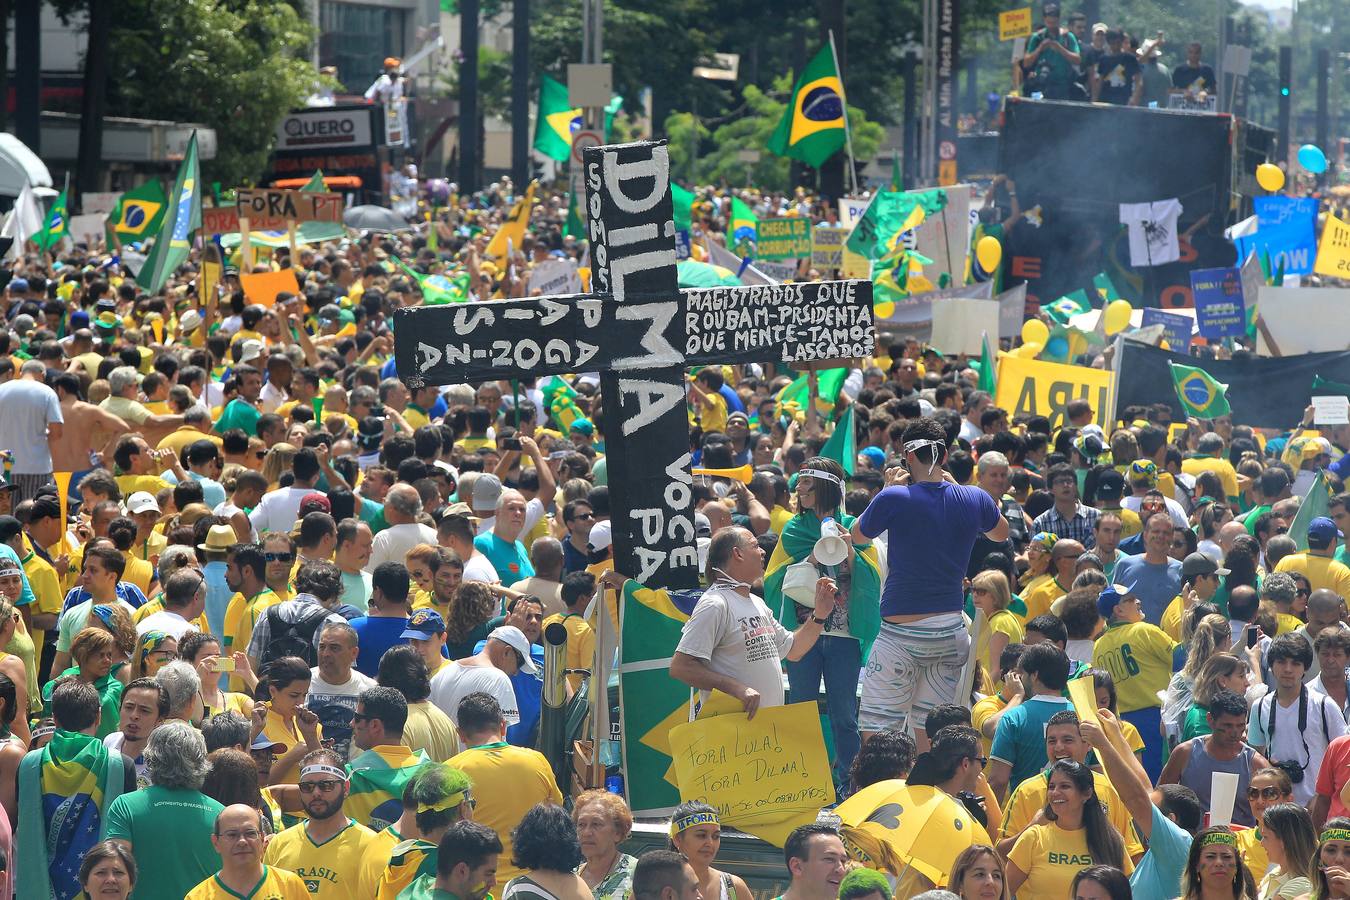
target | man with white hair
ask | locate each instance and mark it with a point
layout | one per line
(502, 545)
(402, 506)
(123, 382)
(30, 418)
(173, 808)
(180, 680)
(992, 474)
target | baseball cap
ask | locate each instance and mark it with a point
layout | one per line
(1144, 470)
(1046, 540)
(1110, 485)
(514, 638)
(1099, 26)
(601, 536)
(1050, 9)
(1200, 564)
(190, 320)
(79, 319)
(18, 284)
(584, 426)
(142, 501)
(702, 525)
(487, 490)
(314, 502)
(1110, 596)
(1322, 531)
(263, 742)
(424, 623)
(875, 455)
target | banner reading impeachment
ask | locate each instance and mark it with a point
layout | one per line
(1029, 387)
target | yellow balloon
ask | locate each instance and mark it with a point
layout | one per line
(1270, 177)
(989, 252)
(1118, 315)
(1029, 350)
(1035, 332)
(884, 310)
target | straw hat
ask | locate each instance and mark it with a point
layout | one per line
(220, 538)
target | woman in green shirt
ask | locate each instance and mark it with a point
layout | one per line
(94, 650)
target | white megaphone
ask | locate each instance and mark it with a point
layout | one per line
(832, 548)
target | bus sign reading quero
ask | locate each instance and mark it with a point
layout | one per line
(310, 129)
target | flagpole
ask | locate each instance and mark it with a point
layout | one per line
(848, 133)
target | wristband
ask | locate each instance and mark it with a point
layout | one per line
(818, 620)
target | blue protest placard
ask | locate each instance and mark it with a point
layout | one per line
(1176, 327)
(683, 249)
(1287, 230)
(1219, 310)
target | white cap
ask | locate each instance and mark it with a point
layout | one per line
(251, 350)
(514, 638)
(600, 537)
(140, 502)
(189, 321)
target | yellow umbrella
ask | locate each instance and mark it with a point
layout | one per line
(895, 826)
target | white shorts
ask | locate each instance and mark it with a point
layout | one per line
(913, 668)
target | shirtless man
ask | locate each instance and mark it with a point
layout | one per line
(87, 427)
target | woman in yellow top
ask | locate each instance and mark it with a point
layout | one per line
(1268, 787)
(1038, 561)
(140, 572)
(288, 721)
(11, 664)
(1045, 859)
(422, 563)
(989, 590)
(203, 651)
(1104, 691)
(1214, 870)
(1291, 843)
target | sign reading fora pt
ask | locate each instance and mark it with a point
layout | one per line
(271, 210)
(785, 238)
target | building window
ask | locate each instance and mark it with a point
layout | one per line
(356, 38)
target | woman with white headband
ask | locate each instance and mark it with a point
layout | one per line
(852, 626)
(931, 524)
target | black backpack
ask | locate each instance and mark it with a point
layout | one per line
(297, 639)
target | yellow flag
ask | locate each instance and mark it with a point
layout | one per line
(513, 229)
(1333, 252)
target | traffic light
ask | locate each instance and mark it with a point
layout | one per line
(1286, 74)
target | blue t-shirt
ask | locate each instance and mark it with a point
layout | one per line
(511, 560)
(376, 634)
(1155, 585)
(1159, 872)
(529, 699)
(1019, 739)
(931, 528)
(126, 592)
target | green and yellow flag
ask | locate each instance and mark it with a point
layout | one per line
(742, 228)
(813, 127)
(438, 290)
(55, 227)
(183, 217)
(792, 398)
(1200, 395)
(557, 119)
(377, 782)
(139, 212)
(842, 446)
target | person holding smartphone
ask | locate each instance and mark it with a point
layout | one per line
(1051, 59)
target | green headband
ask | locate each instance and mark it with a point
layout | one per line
(1227, 838)
(1335, 834)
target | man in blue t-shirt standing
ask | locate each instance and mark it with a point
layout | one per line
(930, 523)
(383, 624)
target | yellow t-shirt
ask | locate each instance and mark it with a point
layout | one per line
(711, 411)
(1172, 618)
(1130, 523)
(277, 730)
(1253, 852)
(580, 644)
(151, 484)
(516, 778)
(1029, 799)
(330, 870)
(1321, 572)
(374, 860)
(47, 594)
(427, 600)
(1286, 623)
(779, 517)
(415, 416)
(138, 572)
(240, 703)
(275, 884)
(1051, 857)
(980, 713)
(1221, 467)
(240, 617)
(150, 548)
(474, 444)
(1039, 598)
(1002, 622)
(430, 730)
(1139, 657)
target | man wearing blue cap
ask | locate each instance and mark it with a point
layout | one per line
(1141, 659)
(1318, 564)
(426, 632)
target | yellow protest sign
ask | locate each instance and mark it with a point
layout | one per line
(1333, 252)
(1014, 23)
(1083, 696)
(766, 775)
(1034, 388)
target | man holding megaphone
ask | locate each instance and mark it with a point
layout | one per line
(931, 523)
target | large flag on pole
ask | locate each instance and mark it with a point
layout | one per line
(183, 217)
(842, 445)
(553, 125)
(988, 366)
(54, 226)
(139, 212)
(813, 127)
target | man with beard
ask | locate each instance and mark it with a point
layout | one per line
(325, 850)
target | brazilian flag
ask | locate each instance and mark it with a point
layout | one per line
(1200, 395)
(139, 212)
(557, 119)
(814, 126)
(54, 228)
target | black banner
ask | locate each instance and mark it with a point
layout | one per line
(1268, 392)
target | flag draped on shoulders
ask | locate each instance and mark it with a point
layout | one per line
(54, 226)
(438, 290)
(183, 216)
(814, 126)
(377, 782)
(72, 780)
(411, 873)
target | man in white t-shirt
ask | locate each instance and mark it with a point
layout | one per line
(456, 531)
(733, 642)
(184, 600)
(30, 417)
(402, 506)
(335, 685)
(278, 510)
(507, 651)
(1294, 724)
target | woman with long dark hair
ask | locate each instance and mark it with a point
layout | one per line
(1101, 883)
(1046, 857)
(977, 874)
(1291, 844)
(850, 630)
(1215, 870)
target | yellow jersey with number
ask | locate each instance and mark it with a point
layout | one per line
(1140, 658)
(275, 884)
(329, 870)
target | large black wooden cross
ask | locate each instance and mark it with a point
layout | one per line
(639, 331)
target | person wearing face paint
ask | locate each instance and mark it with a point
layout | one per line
(325, 850)
(1194, 763)
(931, 525)
(466, 863)
(1214, 870)
(696, 833)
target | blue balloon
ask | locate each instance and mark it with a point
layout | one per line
(1057, 347)
(1311, 157)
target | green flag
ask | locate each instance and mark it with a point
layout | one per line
(1322, 387)
(683, 201)
(183, 216)
(1200, 395)
(439, 289)
(988, 364)
(138, 213)
(553, 125)
(828, 384)
(814, 126)
(55, 227)
(1316, 503)
(742, 229)
(318, 232)
(891, 214)
(842, 447)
